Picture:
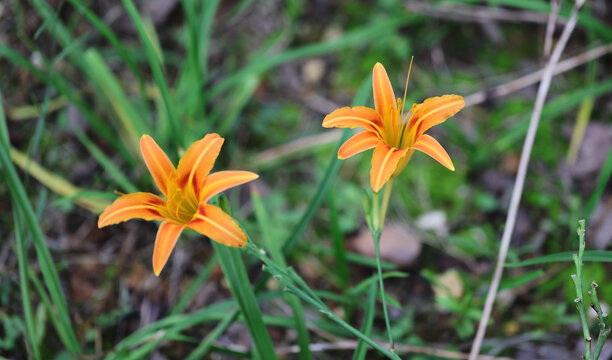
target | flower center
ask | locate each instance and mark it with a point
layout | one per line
(181, 206)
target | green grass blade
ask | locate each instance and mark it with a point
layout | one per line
(204, 347)
(157, 70)
(193, 288)
(589, 255)
(328, 177)
(368, 319)
(103, 79)
(23, 284)
(602, 181)
(265, 62)
(268, 233)
(108, 33)
(337, 242)
(47, 267)
(107, 164)
(63, 87)
(236, 275)
(552, 109)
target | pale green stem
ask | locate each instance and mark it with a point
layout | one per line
(385, 202)
(379, 222)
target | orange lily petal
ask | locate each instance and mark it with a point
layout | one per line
(167, 234)
(436, 110)
(361, 142)
(223, 180)
(358, 116)
(213, 222)
(384, 163)
(431, 147)
(197, 162)
(384, 98)
(136, 205)
(157, 161)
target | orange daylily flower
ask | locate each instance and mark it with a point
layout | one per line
(393, 134)
(186, 189)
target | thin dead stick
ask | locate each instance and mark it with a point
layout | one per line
(297, 146)
(532, 78)
(461, 13)
(555, 5)
(520, 177)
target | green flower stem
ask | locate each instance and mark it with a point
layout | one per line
(376, 236)
(577, 280)
(604, 326)
(378, 216)
(385, 203)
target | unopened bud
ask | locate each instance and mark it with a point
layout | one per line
(594, 284)
(577, 300)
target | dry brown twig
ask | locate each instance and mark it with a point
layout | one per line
(465, 13)
(520, 177)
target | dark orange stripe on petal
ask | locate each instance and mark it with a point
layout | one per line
(213, 222)
(166, 238)
(157, 161)
(432, 147)
(384, 163)
(361, 142)
(223, 180)
(130, 206)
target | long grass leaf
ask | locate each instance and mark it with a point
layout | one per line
(275, 250)
(589, 255)
(47, 266)
(22, 261)
(156, 68)
(328, 178)
(108, 33)
(368, 319)
(236, 275)
(55, 182)
(62, 86)
(130, 119)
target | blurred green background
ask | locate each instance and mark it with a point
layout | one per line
(81, 81)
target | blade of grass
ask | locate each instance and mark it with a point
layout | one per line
(328, 177)
(193, 288)
(55, 182)
(268, 234)
(368, 319)
(131, 121)
(235, 272)
(47, 266)
(294, 284)
(552, 109)
(108, 33)
(589, 255)
(50, 76)
(337, 241)
(107, 164)
(265, 61)
(157, 70)
(23, 284)
(204, 347)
